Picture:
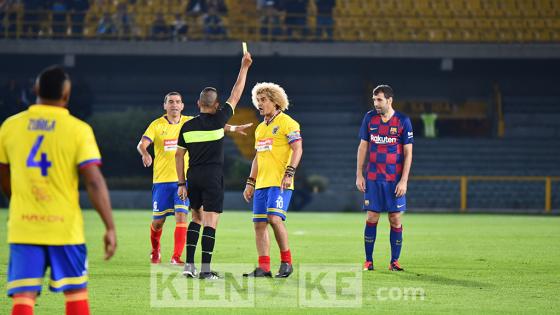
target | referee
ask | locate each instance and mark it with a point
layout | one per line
(203, 138)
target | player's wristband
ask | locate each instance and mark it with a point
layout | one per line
(290, 171)
(182, 184)
(251, 181)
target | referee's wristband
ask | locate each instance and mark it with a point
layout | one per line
(182, 184)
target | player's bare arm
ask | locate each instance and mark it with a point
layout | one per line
(250, 186)
(400, 190)
(238, 128)
(297, 148)
(99, 196)
(240, 83)
(180, 167)
(142, 148)
(361, 158)
(5, 180)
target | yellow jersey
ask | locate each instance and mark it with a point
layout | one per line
(44, 147)
(272, 144)
(163, 135)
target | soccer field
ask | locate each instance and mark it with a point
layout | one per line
(454, 263)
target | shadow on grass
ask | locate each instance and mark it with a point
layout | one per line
(413, 276)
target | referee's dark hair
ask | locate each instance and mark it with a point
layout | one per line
(385, 89)
(208, 96)
(50, 83)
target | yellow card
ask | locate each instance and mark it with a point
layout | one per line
(244, 45)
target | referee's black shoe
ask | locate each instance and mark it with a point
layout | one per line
(212, 275)
(285, 270)
(258, 273)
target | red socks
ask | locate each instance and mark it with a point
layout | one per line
(77, 303)
(264, 263)
(23, 305)
(286, 257)
(180, 239)
(154, 237)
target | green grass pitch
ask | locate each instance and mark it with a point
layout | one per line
(463, 263)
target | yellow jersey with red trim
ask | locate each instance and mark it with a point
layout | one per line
(44, 147)
(163, 134)
(272, 145)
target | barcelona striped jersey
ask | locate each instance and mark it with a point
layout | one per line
(386, 140)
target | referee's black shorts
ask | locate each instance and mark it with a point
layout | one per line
(206, 187)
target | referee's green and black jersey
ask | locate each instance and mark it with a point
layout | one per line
(203, 137)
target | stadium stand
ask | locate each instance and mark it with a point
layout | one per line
(331, 107)
(330, 123)
(527, 117)
(515, 155)
(354, 20)
(447, 21)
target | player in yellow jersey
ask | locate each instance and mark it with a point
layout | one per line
(278, 146)
(163, 133)
(42, 152)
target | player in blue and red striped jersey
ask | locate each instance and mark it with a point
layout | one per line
(386, 138)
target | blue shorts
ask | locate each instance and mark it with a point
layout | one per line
(166, 202)
(270, 201)
(380, 197)
(28, 264)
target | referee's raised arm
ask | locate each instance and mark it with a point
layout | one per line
(240, 83)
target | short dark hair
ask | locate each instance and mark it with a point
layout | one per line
(171, 94)
(208, 96)
(385, 89)
(51, 82)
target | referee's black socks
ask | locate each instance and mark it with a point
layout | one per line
(208, 240)
(192, 240)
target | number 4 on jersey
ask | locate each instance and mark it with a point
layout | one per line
(43, 163)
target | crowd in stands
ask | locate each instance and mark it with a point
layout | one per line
(295, 13)
(156, 20)
(269, 20)
(146, 19)
(64, 17)
(123, 24)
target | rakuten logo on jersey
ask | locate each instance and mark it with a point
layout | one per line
(383, 140)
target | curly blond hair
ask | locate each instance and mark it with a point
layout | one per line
(273, 91)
